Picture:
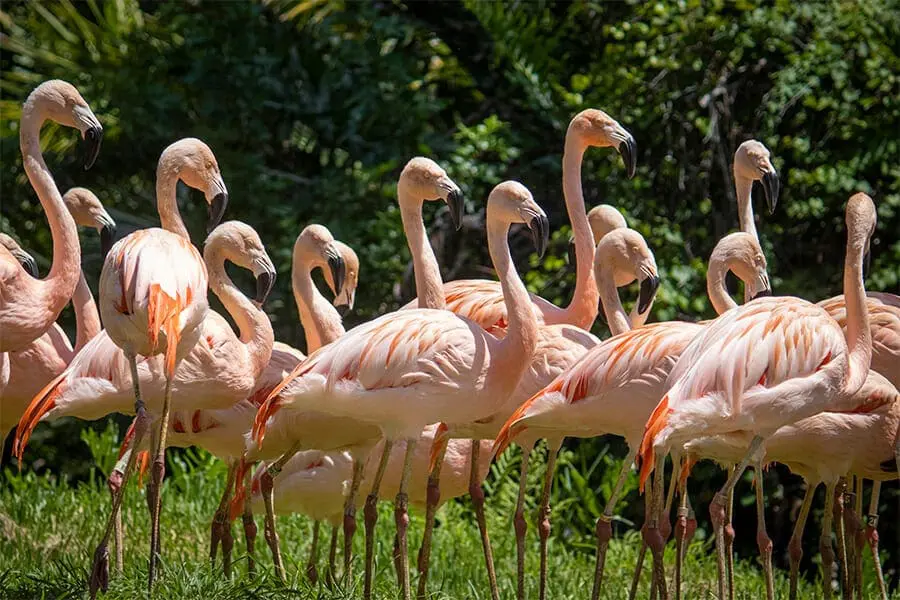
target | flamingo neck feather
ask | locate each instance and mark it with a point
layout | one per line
(715, 286)
(166, 199)
(858, 334)
(87, 319)
(429, 286)
(321, 321)
(582, 309)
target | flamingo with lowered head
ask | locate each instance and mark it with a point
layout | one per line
(482, 300)
(405, 370)
(30, 306)
(760, 367)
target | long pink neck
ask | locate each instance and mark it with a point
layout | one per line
(613, 310)
(582, 309)
(715, 287)
(858, 334)
(743, 188)
(321, 321)
(429, 286)
(166, 200)
(255, 328)
(521, 335)
(58, 286)
(87, 319)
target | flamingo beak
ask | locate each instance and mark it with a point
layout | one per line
(770, 188)
(456, 205)
(216, 210)
(107, 237)
(92, 137)
(647, 293)
(540, 233)
(338, 271)
(28, 263)
(628, 149)
(265, 281)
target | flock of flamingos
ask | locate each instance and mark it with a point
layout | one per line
(425, 391)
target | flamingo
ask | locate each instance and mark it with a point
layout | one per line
(759, 367)
(482, 300)
(46, 357)
(29, 306)
(405, 370)
(622, 256)
(822, 449)
(615, 386)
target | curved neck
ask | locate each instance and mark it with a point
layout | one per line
(612, 305)
(429, 287)
(715, 287)
(743, 188)
(166, 200)
(582, 309)
(255, 328)
(858, 334)
(63, 276)
(321, 321)
(521, 334)
(87, 320)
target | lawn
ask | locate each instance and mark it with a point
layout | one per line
(48, 530)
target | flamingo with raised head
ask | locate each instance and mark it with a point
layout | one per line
(760, 367)
(29, 306)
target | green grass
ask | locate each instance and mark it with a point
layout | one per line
(48, 530)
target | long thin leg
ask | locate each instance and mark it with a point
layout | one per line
(717, 508)
(795, 546)
(221, 516)
(654, 538)
(114, 482)
(763, 542)
(857, 534)
(543, 524)
(100, 567)
(350, 514)
(825, 541)
(604, 523)
(680, 535)
(401, 516)
(311, 572)
(432, 499)
(249, 529)
(158, 471)
(332, 556)
(838, 521)
(396, 555)
(872, 537)
(267, 488)
(639, 567)
(371, 517)
(478, 500)
(521, 525)
(729, 540)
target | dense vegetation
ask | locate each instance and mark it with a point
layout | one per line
(313, 107)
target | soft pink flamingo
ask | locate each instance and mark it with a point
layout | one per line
(42, 360)
(615, 386)
(30, 306)
(482, 300)
(822, 449)
(407, 369)
(762, 366)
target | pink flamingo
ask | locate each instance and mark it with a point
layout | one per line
(824, 448)
(762, 366)
(615, 386)
(407, 369)
(46, 357)
(482, 300)
(30, 306)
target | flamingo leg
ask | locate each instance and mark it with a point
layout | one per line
(604, 523)
(311, 572)
(157, 472)
(396, 557)
(332, 556)
(100, 567)
(432, 499)
(717, 508)
(763, 542)
(639, 567)
(267, 488)
(655, 540)
(220, 518)
(729, 540)
(871, 533)
(401, 516)
(681, 528)
(478, 500)
(249, 529)
(350, 514)
(825, 541)
(858, 532)
(114, 482)
(795, 546)
(543, 524)
(371, 517)
(521, 525)
(839, 518)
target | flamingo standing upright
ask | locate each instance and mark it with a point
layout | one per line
(34, 366)
(405, 370)
(759, 367)
(482, 300)
(615, 386)
(30, 306)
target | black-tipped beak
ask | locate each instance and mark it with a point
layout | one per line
(628, 150)
(763, 293)
(456, 205)
(540, 234)
(342, 309)
(29, 264)
(338, 272)
(572, 255)
(92, 138)
(647, 293)
(216, 210)
(265, 281)
(107, 237)
(770, 187)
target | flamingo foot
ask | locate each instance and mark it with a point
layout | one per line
(100, 571)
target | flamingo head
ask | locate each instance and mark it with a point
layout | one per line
(593, 127)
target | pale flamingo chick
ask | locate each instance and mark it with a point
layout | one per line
(822, 449)
(616, 385)
(760, 367)
(482, 300)
(46, 357)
